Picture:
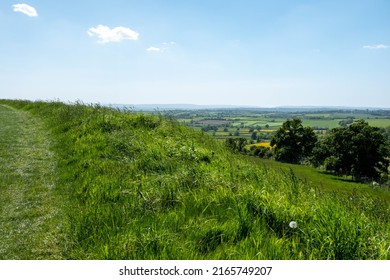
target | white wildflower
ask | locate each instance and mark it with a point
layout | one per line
(293, 224)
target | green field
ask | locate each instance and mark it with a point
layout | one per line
(88, 182)
(247, 119)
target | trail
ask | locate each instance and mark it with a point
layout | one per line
(31, 226)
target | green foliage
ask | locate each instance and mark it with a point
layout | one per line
(262, 152)
(293, 142)
(359, 150)
(236, 144)
(144, 187)
(346, 122)
(386, 133)
(254, 136)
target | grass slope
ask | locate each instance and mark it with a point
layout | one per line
(30, 226)
(328, 182)
(144, 187)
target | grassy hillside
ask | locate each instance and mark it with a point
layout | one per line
(138, 186)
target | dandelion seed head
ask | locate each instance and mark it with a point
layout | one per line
(293, 224)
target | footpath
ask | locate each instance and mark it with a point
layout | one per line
(31, 223)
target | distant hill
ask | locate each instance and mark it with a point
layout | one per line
(164, 107)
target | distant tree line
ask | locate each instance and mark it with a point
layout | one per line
(210, 128)
(346, 122)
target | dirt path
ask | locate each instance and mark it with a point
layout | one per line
(30, 223)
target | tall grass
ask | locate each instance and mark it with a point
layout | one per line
(145, 187)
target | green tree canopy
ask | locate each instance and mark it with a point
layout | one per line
(293, 142)
(386, 133)
(236, 144)
(359, 150)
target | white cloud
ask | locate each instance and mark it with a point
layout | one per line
(25, 9)
(376, 47)
(116, 34)
(153, 49)
(165, 46)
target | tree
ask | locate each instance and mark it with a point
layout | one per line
(254, 136)
(359, 150)
(293, 142)
(262, 152)
(386, 133)
(346, 122)
(236, 144)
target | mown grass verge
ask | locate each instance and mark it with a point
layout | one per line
(145, 187)
(32, 225)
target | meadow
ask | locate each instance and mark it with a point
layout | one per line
(142, 186)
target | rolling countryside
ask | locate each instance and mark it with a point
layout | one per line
(90, 182)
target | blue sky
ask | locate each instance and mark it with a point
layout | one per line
(250, 52)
